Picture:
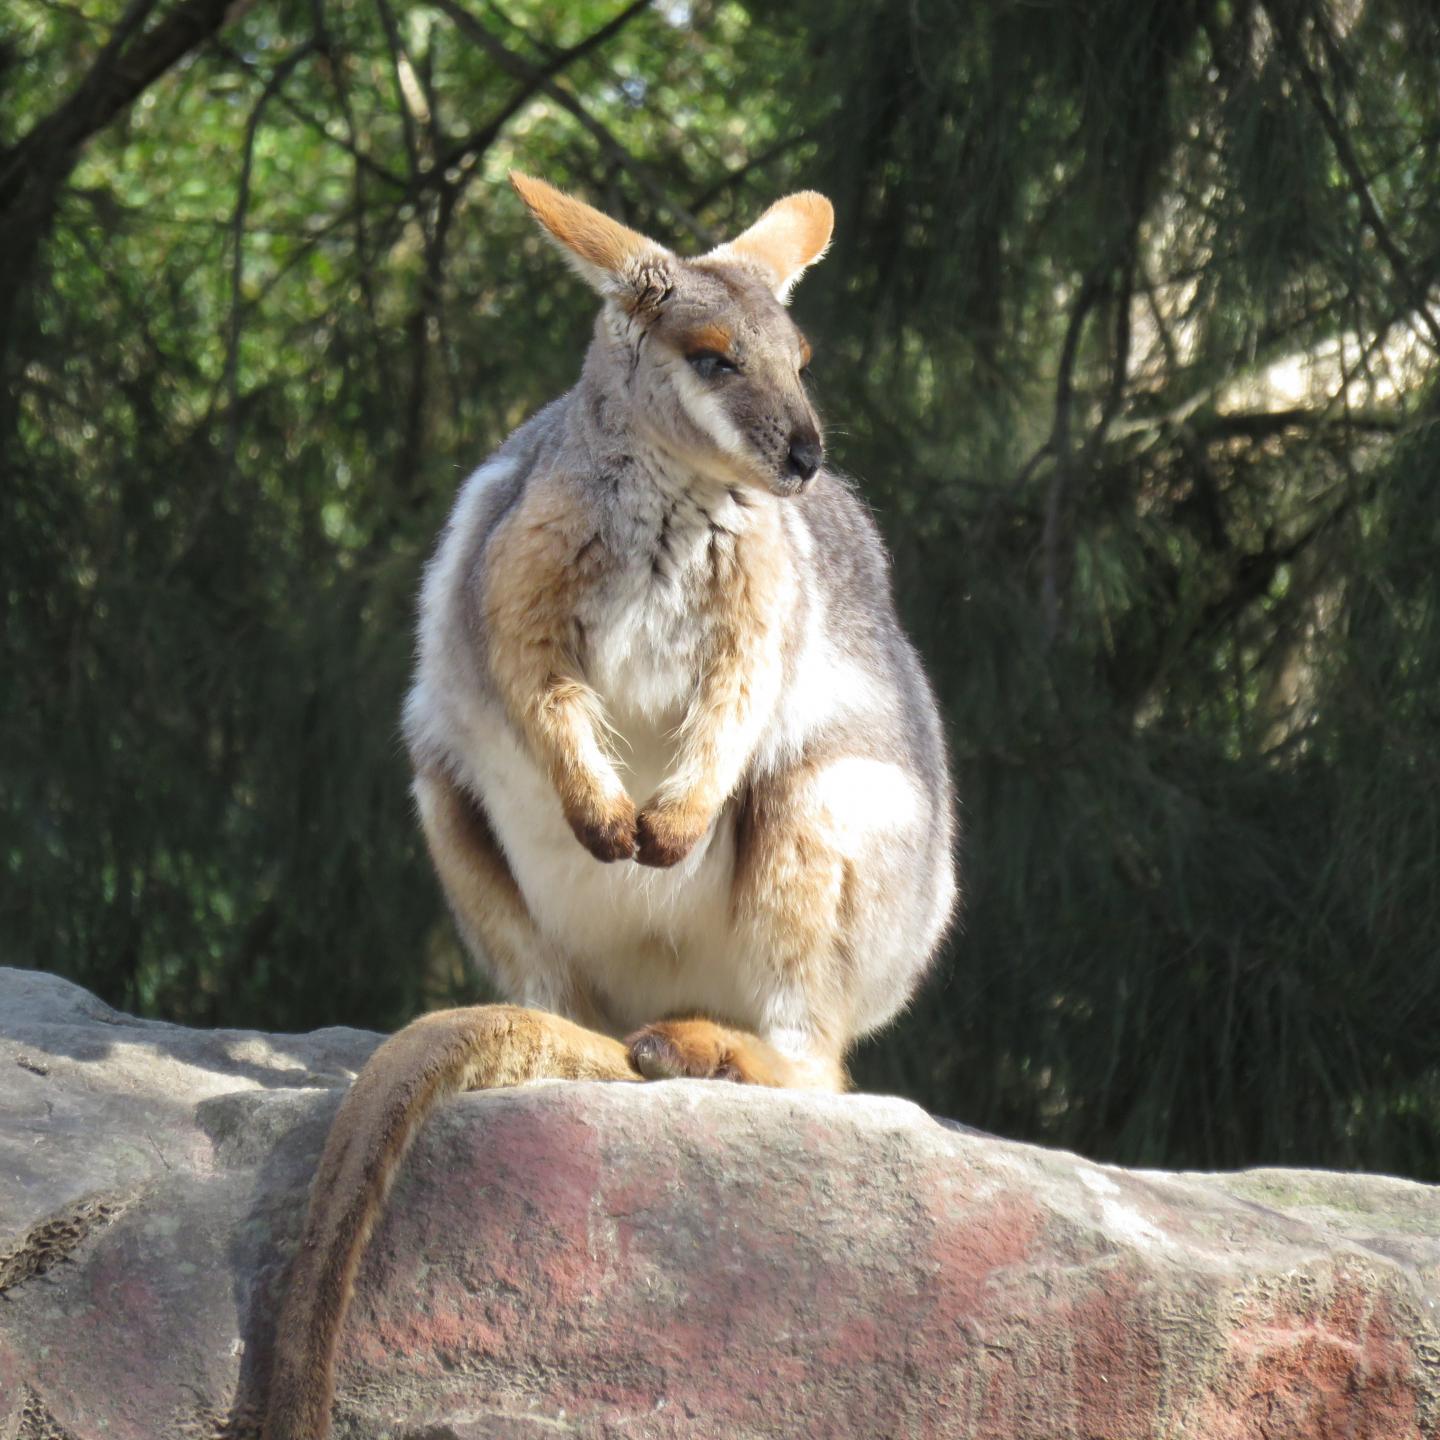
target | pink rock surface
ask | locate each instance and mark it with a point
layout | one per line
(680, 1259)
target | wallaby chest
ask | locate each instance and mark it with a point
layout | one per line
(649, 623)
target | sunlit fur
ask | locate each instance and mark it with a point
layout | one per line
(680, 773)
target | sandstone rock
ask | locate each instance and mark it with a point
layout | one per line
(681, 1259)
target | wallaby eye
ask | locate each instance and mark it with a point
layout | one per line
(707, 364)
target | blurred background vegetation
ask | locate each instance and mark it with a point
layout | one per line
(1129, 334)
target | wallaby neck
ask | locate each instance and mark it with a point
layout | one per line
(630, 454)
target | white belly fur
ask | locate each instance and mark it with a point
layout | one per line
(650, 941)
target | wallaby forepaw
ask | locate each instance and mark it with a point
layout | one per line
(665, 835)
(608, 835)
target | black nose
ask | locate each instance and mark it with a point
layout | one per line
(804, 458)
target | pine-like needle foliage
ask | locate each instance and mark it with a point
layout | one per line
(1129, 334)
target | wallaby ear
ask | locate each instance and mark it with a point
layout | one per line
(788, 238)
(618, 262)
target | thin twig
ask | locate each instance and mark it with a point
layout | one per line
(1120, 365)
(522, 69)
(469, 147)
(1350, 163)
(398, 58)
(1063, 479)
(308, 117)
(335, 69)
(755, 162)
(281, 74)
(113, 82)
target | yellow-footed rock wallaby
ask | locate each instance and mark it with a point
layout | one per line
(679, 769)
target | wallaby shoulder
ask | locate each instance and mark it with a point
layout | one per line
(853, 571)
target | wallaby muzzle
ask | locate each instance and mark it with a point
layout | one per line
(803, 458)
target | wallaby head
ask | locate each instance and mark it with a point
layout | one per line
(709, 364)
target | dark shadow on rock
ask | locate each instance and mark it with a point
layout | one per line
(281, 1137)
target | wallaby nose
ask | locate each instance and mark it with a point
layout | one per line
(805, 457)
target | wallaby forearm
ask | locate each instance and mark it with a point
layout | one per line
(534, 565)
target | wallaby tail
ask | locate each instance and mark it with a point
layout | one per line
(438, 1055)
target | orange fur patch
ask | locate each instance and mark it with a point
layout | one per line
(792, 893)
(708, 337)
(666, 834)
(537, 561)
(475, 876)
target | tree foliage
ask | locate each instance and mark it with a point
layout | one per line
(1129, 333)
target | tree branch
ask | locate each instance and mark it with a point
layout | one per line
(398, 61)
(1262, 424)
(35, 167)
(534, 75)
(283, 72)
(1350, 163)
(349, 144)
(119, 76)
(480, 140)
(1058, 446)
(756, 162)
(335, 70)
